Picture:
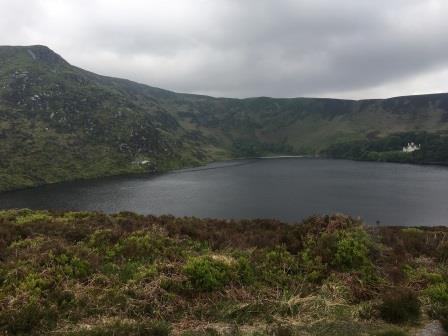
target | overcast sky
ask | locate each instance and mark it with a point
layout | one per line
(240, 48)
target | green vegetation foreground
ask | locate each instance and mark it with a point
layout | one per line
(85, 273)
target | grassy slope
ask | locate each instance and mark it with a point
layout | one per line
(124, 274)
(59, 122)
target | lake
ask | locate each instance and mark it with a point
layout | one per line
(285, 188)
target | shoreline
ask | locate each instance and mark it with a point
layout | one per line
(203, 166)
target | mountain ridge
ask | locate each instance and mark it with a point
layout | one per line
(47, 49)
(59, 122)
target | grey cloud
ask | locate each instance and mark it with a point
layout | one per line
(281, 48)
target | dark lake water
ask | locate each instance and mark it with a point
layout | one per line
(287, 189)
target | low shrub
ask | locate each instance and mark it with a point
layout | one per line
(280, 330)
(313, 266)
(400, 305)
(137, 245)
(71, 266)
(441, 313)
(438, 295)
(245, 270)
(34, 284)
(343, 250)
(206, 273)
(34, 217)
(27, 318)
(351, 250)
(278, 266)
(101, 239)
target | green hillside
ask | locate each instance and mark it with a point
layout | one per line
(59, 122)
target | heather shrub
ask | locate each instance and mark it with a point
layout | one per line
(400, 305)
(415, 242)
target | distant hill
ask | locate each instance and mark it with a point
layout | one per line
(59, 122)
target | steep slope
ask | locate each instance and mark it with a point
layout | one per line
(59, 122)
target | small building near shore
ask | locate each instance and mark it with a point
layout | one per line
(411, 147)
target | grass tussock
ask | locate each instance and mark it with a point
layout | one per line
(85, 273)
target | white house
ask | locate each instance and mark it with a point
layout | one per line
(411, 147)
